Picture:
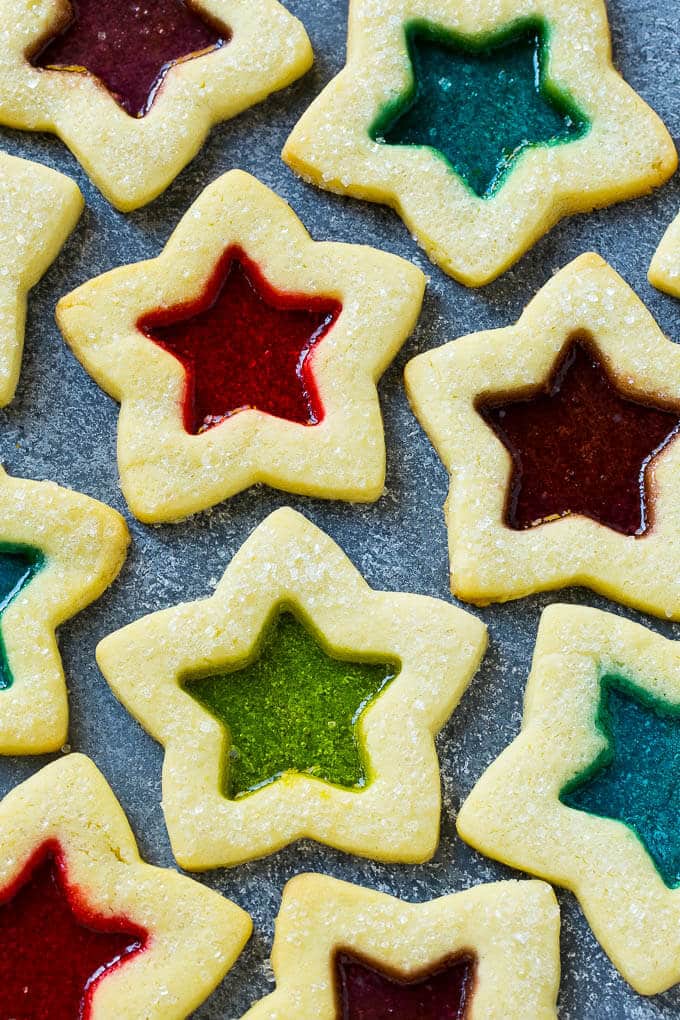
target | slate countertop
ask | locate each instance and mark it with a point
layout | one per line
(62, 427)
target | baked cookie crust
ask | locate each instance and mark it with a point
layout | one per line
(287, 561)
(514, 813)
(133, 159)
(83, 544)
(626, 152)
(664, 271)
(511, 927)
(490, 562)
(38, 210)
(167, 473)
(196, 935)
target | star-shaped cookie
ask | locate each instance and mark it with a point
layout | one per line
(481, 123)
(559, 434)
(490, 952)
(587, 795)
(246, 352)
(133, 89)
(59, 550)
(664, 271)
(38, 210)
(296, 702)
(89, 929)
(129, 47)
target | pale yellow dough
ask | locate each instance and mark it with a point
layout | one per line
(664, 271)
(196, 934)
(288, 561)
(491, 562)
(38, 210)
(626, 153)
(512, 927)
(132, 160)
(84, 544)
(166, 473)
(514, 813)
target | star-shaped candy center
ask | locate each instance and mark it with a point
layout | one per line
(18, 566)
(243, 345)
(129, 45)
(295, 706)
(367, 992)
(636, 779)
(580, 446)
(479, 102)
(55, 948)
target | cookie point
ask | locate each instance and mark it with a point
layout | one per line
(285, 515)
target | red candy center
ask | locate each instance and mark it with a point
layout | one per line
(579, 446)
(367, 993)
(243, 345)
(130, 45)
(55, 948)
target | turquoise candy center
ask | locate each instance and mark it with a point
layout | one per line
(479, 102)
(295, 706)
(636, 778)
(18, 566)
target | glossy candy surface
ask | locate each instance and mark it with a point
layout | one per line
(244, 344)
(367, 993)
(129, 44)
(18, 566)
(479, 102)
(580, 446)
(293, 707)
(636, 778)
(55, 948)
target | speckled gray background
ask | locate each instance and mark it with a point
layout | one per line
(61, 426)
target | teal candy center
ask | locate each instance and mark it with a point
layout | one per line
(18, 565)
(294, 706)
(479, 102)
(636, 778)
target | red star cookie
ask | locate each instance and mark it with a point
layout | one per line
(88, 929)
(133, 89)
(489, 953)
(559, 434)
(246, 352)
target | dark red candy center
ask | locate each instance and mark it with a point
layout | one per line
(129, 44)
(580, 446)
(55, 948)
(367, 993)
(244, 344)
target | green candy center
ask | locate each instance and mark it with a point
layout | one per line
(294, 706)
(479, 102)
(636, 778)
(18, 565)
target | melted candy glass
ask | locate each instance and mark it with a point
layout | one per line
(18, 566)
(295, 706)
(243, 345)
(579, 446)
(479, 102)
(56, 949)
(366, 992)
(129, 45)
(636, 778)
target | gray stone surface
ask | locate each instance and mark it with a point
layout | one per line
(61, 426)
